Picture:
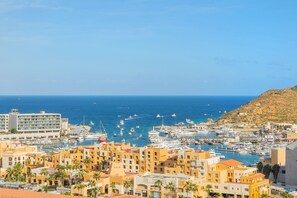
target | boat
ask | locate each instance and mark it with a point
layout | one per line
(122, 122)
(103, 137)
(129, 118)
(121, 132)
(80, 138)
(132, 130)
(137, 127)
(114, 135)
(173, 115)
(118, 126)
(130, 133)
(135, 115)
(91, 123)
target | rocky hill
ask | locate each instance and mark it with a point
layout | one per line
(273, 106)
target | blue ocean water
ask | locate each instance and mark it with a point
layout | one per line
(111, 109)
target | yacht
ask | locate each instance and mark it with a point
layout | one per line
(132, 130)
(122, 122)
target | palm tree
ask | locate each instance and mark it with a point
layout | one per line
(159, 184)
(61, 175)
(17, 171)
(95, 191)
(97, 176)
(171, 187)
(91, 183)
(45, 188)
(208, 189)
(43, 158)
(113, 187)
(9, 172)
(260, 167)
(190, 187)
(127, 185)
(79, 186)
(44, 172)
(80, 175)
(266, 170)
(87, 162)
(75, 164)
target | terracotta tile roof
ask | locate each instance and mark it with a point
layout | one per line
(257, 175)
(11, 193)
(231, 162)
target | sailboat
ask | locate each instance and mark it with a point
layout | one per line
(103, 137)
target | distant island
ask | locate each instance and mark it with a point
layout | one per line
(275, 105)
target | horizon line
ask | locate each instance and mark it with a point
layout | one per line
(124, 95)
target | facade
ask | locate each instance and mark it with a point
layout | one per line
(230, 177)
(35, 122)
(119, 164)
(291, 165)
(17, 126)
(3, 123)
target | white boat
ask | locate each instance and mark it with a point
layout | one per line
(129, 118)
(132, 130)
(121, 132)
(93, 136)
(91, 123)
(65, 140)
(130, 133)
(80, 138)
(137, 127)
(173, 115)
(122, 122)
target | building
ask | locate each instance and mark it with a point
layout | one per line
(3, 123)
(291, 165)
(29, 126)
(230, 177)
(142, 167)
(35, 122)
(146, 185)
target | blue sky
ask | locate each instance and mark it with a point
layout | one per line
(147, 47)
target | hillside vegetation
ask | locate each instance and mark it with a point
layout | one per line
(273, 106)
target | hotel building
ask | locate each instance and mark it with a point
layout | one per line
(30, 125)
(3, 123)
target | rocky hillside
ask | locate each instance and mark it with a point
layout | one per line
(273, 106)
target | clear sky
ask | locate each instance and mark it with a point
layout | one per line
(147, 47)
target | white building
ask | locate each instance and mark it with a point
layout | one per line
(291, 165)
(30, 125)
(35, 122)
(3, 123)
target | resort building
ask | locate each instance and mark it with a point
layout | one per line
(3, 123)
(35, 122)
(30, 126)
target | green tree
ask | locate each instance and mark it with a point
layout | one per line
(113, 187)
(286, 194)
(44, 172)
(87, 162)
(190, 187)
(266, 170)
(127, 185)
(159, 184)
(94, 192)
(97, 176)
(79, 186)
(260, 167)
(13, 130)
(208, 189)
(45, 188)
(275, 171)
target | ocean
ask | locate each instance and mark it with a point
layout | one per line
(142, 109)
